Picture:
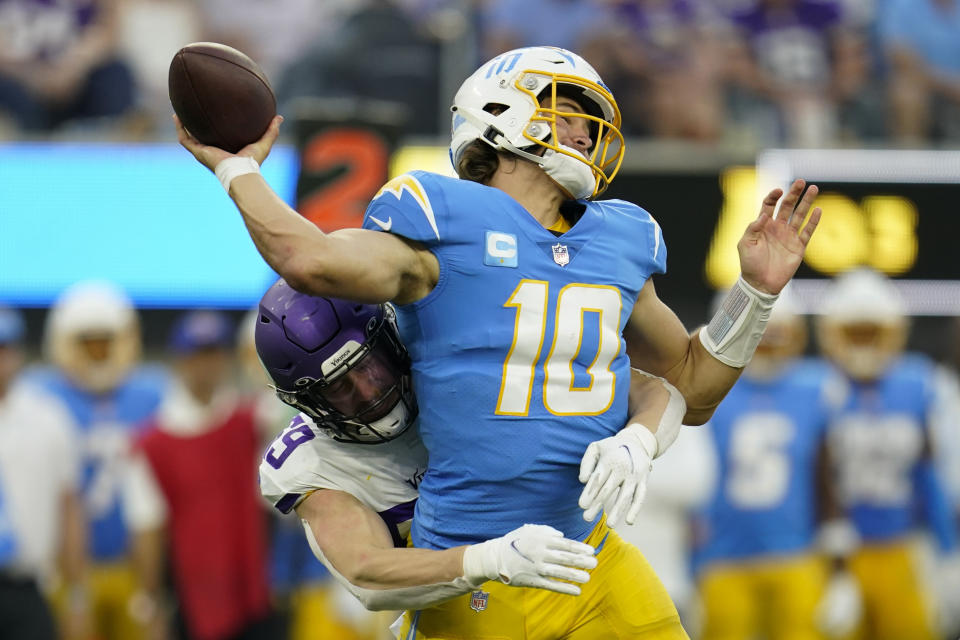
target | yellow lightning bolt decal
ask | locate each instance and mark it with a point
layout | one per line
(406, 181)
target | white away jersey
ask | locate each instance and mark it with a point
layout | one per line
(384, 477)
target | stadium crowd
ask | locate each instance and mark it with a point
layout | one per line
(128, 502)
(748, 72)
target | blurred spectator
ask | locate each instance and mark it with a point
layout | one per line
(510, 24)
(378, 53)
(796, 63)
(660, 57)
(922, 40)
(93, 342)
(760, 572)
(192, 497)
(59, 62)
(680, 484)
(41, 516)
(273, 33)
(151, 32)
(881, 447)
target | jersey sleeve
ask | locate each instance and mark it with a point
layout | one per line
(411, 205)
(292, 467)
(637, 227)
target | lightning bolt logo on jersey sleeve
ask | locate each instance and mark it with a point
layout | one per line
(409, 205)
(304, 459)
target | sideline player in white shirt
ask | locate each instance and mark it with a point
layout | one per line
(349, 464)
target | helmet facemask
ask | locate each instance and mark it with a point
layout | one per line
(366, 397)
(510, 103)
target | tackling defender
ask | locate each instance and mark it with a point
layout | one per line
(514, 292)
(343, 365)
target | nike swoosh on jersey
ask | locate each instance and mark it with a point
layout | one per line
(380, 223)
(409, 183)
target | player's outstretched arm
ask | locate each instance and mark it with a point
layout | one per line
(358, 265)
(353, 542)
(704, 365)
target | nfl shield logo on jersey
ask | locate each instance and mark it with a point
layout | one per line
(560, 254)
(478, 600)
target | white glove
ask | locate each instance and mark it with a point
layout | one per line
(615, 471)
(948, 594)
(534, 555)
(840, 606)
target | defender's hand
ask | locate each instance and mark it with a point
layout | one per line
(534, 555)
(210, 157)
(771, 249)
(615, 471)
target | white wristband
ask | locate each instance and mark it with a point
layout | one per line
(233, 167)
(838, 538)
(669, 426)
(735, 330)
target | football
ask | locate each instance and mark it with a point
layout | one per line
(221, 96)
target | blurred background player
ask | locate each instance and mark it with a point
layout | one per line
(312, 603)
(92, 341)
(881, 449)
(759, 571)
(193, 478)
(42, 525)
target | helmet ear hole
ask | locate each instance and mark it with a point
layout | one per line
(495, 108)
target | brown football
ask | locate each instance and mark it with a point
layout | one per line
(220, 95)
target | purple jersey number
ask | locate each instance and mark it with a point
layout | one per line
(290, 441)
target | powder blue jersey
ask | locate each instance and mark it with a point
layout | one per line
(768, 435)
(108, 424)
(879, 442)
(518, 361)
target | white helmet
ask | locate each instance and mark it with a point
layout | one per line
(500, 105)
(863, 325)
(93, 310)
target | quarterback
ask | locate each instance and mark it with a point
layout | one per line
(356, 502)
(514, 293)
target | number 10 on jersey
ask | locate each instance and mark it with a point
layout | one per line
(560, 396)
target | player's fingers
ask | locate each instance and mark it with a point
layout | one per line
(589, 461)
(622, 503)
(555, 585)
(566, 545)
(573, 560)
(563, 573)
(769, 205)
(800, 213)
(811, 226)
(591, 511)
(595, 485)
(634, 509)
(790, 198)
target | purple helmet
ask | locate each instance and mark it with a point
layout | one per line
(340, 362)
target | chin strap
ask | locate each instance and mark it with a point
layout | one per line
(575, 177)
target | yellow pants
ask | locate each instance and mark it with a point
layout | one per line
(110, 587)
(314, 616)
(776, 599)
(623, 599)
(895, 604)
